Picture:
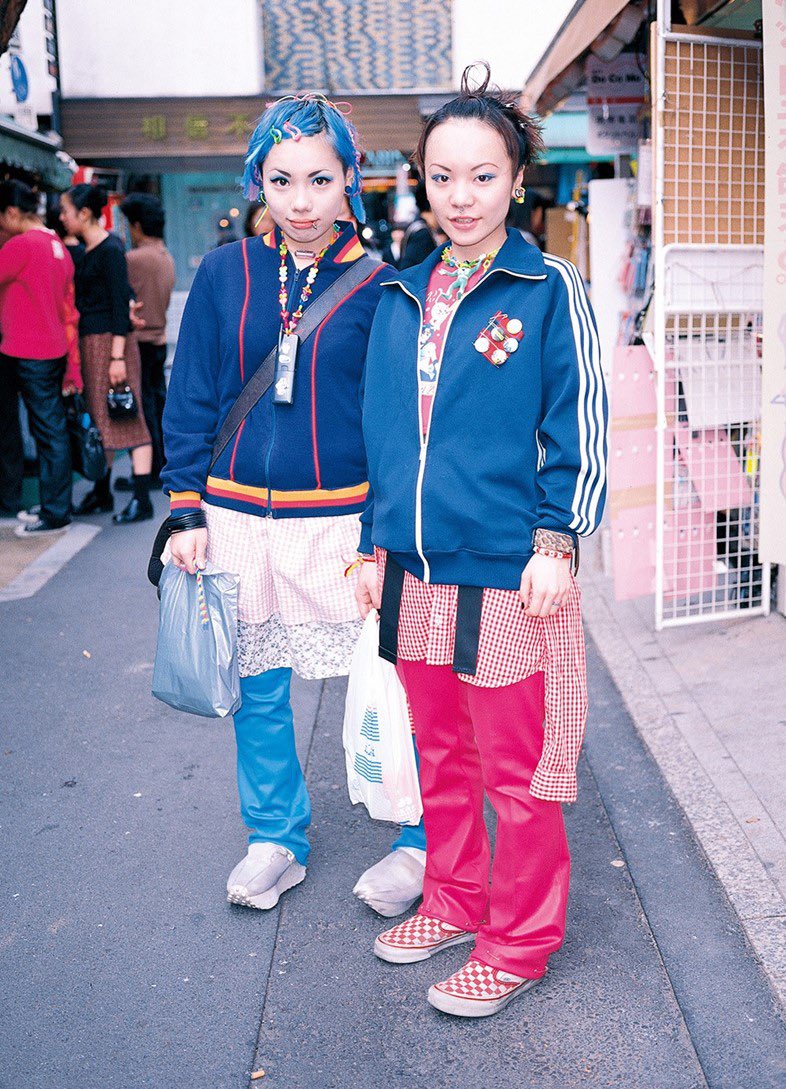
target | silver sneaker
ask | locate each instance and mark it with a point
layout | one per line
(259, 879)
(392, 885)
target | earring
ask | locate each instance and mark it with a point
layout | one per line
(262, 209)
(348, 190)
(518, 195)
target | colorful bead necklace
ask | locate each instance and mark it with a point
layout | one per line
(289, 321)
(484, 261)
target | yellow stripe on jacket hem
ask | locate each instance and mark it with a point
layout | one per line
(355, 492)
(184, 499)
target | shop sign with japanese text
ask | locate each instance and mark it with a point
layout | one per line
(616, 92)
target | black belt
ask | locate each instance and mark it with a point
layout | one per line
(468, 612)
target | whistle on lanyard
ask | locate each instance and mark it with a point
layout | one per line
(284, 382)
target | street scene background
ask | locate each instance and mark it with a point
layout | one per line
(121, 963)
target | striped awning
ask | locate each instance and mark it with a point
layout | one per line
(34, 153)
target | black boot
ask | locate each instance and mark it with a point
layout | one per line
(140, 509)
(99, 500)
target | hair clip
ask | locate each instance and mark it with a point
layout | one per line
(276, 135)
(292, 130)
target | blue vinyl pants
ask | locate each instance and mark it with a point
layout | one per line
(274, 800)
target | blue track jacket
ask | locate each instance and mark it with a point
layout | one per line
(509, 448)
(285, 461)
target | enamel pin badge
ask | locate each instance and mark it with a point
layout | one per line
(500, 339)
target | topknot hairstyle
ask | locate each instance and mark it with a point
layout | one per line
(304, 115)
(479, 100)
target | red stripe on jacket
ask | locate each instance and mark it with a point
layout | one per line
(241, 348)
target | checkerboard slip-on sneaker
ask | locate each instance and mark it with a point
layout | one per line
(392, 885)
(418, 939)
(476, 990)
(259, 879)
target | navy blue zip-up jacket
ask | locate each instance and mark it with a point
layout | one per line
(509, 448)
(300, 460)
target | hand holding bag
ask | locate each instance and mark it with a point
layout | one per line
(380, 756)
(196, 668)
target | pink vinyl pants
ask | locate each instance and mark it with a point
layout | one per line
(473, 740)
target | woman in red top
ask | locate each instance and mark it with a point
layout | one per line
(36, 310)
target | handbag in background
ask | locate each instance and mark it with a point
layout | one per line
(121, 404)
(87, 449)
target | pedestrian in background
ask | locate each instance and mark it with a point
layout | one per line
(109, 350)
(420, 237)
(36, 309)
(151, 272)
(486, 453)
(258, 221)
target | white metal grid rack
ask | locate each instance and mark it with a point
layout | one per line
(708, 232)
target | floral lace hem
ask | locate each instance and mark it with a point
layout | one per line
(314, 650)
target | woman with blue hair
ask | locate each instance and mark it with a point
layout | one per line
(280, 505)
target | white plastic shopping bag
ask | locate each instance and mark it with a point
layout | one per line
(381, 768)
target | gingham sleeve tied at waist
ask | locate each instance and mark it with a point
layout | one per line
(512, 647)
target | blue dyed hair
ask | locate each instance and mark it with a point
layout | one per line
(304, 115)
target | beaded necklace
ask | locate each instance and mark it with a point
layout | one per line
(451, 262)
(289, 321)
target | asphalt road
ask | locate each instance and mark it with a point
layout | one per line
(122, 965)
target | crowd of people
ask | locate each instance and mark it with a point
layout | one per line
(81, 316)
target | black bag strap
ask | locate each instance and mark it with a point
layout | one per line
(262, 378)
(155, 567)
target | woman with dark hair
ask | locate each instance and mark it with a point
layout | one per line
(36, 307)
(110, 354)
(484, 420)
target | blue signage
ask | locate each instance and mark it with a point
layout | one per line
(19, 78)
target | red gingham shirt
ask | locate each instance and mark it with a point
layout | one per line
(512, 647)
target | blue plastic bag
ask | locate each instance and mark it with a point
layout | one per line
(196, 667)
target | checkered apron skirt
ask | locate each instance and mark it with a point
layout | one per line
(295, 608)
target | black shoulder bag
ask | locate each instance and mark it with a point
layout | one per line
(262, 379)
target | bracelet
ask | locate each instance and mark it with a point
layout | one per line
(552, 553)
(358, 563)
(117, 359)
(179, 523)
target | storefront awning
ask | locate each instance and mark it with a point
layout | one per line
(35, 153)
(586, 20)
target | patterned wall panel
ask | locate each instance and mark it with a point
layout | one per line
(357, 45)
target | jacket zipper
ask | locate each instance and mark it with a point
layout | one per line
(292, 293)
(423, 440)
